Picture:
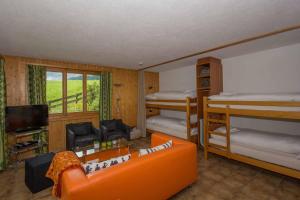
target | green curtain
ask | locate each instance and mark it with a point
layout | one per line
(3, 137)
(105, 104)
(37, 79)
(36, 84)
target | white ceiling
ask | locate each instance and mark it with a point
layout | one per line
(126, 32)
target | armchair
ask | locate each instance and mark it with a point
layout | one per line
(81, 134)
(114, 129)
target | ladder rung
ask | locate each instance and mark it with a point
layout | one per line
(217, 133)
(217, 121)
(217, 146)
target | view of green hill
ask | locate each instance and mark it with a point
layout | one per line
(54, 92)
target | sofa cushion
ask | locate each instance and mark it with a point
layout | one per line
(84, 140)
(95, 166)
(113, 135)
(156, 148)
(111, 126)
(81, 129)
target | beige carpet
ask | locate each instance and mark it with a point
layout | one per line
(219, 178)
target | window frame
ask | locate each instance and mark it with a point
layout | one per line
(85, 98)
(64, 72)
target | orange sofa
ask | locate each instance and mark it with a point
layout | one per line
(156, 176)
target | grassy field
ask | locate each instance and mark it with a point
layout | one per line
(54, 91)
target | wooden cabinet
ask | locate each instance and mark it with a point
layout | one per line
(151, 86)
(209, 79)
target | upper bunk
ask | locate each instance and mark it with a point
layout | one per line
(173, 100)
(282, 106)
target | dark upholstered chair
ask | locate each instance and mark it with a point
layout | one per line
(114, 129)
(81, 134)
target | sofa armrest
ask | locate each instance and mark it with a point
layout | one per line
(72, 180)
(70, 139)
(97, 132)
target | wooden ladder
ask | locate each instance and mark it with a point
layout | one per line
(207, 124)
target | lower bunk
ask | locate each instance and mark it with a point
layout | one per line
(172, 126)
(273, 151)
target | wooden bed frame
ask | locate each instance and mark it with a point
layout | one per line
(214, 117)
(189, 105)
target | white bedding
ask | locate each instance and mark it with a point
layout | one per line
(283, 159)
(171, 126)
(174, 95)
(272, 142)
(257, 97)
(170, 103)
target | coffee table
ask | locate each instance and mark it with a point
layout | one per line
(89, 153)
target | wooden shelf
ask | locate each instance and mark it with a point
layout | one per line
(204, 88)
(204, 76)
(19, 154)
(27, 149)
(209, 79)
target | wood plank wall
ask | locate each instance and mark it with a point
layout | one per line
(151, 86)
(15, 70)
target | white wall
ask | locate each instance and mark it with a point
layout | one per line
(271, 71)
(276, 70)
(178, 79)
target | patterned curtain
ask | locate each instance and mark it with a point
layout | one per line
(37, 84)
(3, 137)
(105, 104)
(37, 79)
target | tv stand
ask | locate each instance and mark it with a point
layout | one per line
(27, 130)
(27, 143)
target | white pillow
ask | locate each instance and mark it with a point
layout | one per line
(95, 166)
(166, 145)
(222, 129)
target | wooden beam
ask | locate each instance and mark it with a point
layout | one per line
(291, 28)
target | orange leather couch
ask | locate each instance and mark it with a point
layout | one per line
(156, 176)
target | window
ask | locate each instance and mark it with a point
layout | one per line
(70, 92)
(93, 92)
(74, 92)
(54, 91)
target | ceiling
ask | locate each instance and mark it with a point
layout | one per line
(126, 32)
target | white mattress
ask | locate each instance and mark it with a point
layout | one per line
(281, 149)
(273, 142)
(170, 126)
(287, 160)
(174, 95)
(257, 97)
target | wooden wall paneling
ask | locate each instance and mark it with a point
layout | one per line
(57, 136)
(15, 82)
(15, 70)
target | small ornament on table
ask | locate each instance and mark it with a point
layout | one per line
(96, 144)
(114, 143)
(109, 144)
(103, 145)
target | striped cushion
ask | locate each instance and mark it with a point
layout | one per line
(157, 148)
(95, 166)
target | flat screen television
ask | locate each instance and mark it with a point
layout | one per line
(25, 118)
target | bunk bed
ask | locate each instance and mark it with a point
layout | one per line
(272, 151)
(184, 101)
